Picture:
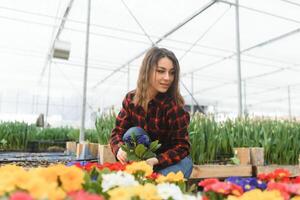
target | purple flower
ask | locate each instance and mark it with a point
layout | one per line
(246, 183)
(261, 185)
(234, 179)
(247, 187)
(143, 139)
(128, 140)
(140, 139)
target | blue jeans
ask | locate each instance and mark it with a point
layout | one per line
(185, 165)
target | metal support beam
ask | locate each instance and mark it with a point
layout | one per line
(238, 59)
(83, 113)
(245, 98)
(61, 26)
(248, 49)
(192, 93)
(48, 95)
(158, 41)
(128, 78)
(0, 101)
(289, 102)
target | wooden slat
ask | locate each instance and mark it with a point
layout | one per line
(105, 154)
(293, 169)
(91, 147)
(71, 147)
(221, 171)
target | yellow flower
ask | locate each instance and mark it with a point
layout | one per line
(296, 198)
(21, 178)
(50, 173)
(38, 187)
(10, 168)
(139, 166)
(6, 186)
(41, 183)
(72, 179)
(259, 195)
(171, 177)
(56, 194)
(10, 177)
(148, 191)
(120, 193)
(145, 192)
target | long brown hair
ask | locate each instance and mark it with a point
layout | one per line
(148, 66)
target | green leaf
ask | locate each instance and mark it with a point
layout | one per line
(235, 160)
(133, 137)
(154, 146)
(148, 154)
(140, 150)
(125, 148)
(132, 157)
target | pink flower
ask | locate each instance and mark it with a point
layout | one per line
(82, 195)
(219, 187)
(281, 187)
(20, 196)
(207, 182)
(293, 189)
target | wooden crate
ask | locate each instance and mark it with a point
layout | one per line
(257, 156)
(221, 171)
(105, 154)
(293, 169)
(71, 147)
(243, 154)
(92, 149)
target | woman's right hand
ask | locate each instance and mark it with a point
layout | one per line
(122, 156)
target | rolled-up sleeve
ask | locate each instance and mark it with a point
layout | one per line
(121, 126)
(178, 122)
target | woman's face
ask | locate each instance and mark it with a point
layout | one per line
(162, 77)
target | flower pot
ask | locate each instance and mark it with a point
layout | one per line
(243, 154)
(257, 156)
(71, 147)
(105, 154)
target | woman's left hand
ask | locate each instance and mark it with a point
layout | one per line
(152, 161)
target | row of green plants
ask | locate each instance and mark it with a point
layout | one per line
(16, 135)
(211, 140)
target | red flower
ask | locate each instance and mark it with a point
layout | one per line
(20, 196)
(296, 180)
(153, 176)
(82, 195)
(285, 180)
(205, 198)
(207, 182)
(281, 187)
(117, 166)
(263, 177)
(219, 187)
(236, 190)
(89, 166)
(281, 174)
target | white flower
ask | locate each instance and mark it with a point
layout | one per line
(167, 190)
(191, 197)
(117, 179)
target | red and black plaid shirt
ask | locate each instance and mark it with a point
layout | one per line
(164, 121)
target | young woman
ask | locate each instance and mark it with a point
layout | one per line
(156, 107)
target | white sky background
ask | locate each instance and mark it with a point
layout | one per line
(28, 28)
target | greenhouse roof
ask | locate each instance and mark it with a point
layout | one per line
(201, 33)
